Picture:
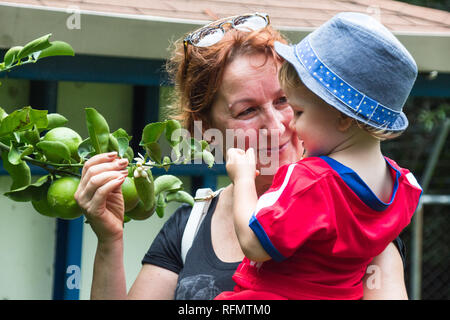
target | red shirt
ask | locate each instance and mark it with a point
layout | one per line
(322, 225)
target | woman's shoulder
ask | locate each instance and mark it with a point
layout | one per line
(179, 218)
(165, 250)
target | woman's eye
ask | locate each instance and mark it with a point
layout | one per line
(247, 111)
(298, 113)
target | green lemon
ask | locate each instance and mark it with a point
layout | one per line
(139, 212)
(43, 207)
(130, 195)
(180, 196)
(60, 198)
(67, 136)
(167, 182)
(145, 189)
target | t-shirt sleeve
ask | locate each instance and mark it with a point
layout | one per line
(294, 209)
(165, 250)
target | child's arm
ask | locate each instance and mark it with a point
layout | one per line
(241, 169)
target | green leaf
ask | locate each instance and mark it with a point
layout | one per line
(160, 205)
(54, 151)
(176, 153)
(440, 114)
(126, 219)
(32, 192)
(11, 56)
(208, 158)
(129, 154)
(171, 127)
(98, 130)
(152, 132)
(146, 190)
(16, 121)
(17, 136)
(121, 133)
(7, 139)
(39, 118)
(56, 48)
(160, 211)
(183, 150)
(38, 44)
(16, 153)
(26, 151)
(166, 163)
(85, 149)
(20, 173)
(113, 145)
(205, 145)
(154, 151)
(32, 136)
(23, 119)
(123, 146)
(3, 114)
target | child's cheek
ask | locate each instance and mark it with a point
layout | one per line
(298, 127)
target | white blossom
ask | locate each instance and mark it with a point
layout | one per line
(142, 166)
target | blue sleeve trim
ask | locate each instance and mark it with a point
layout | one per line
(264, 240)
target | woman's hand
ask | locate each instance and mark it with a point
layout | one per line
(100, 195)
(241, 164)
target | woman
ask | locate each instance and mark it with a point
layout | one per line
(225, 76)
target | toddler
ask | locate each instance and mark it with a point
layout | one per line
(314, 232)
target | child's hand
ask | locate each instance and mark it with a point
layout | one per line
(241, 164)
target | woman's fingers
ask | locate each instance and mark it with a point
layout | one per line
(97, 159)
(97, 181)
(98, 200)
(102, 165)
(84, 195)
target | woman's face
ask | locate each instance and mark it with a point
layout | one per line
(251, 110)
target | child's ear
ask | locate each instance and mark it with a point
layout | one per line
(344, 122)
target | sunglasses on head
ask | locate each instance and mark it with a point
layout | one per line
(213, 32)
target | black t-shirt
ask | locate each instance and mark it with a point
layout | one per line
(203, 276)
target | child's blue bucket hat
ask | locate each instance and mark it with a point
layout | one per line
(357, 66)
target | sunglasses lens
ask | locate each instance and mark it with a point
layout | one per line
(207, 37)
(249, 23)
